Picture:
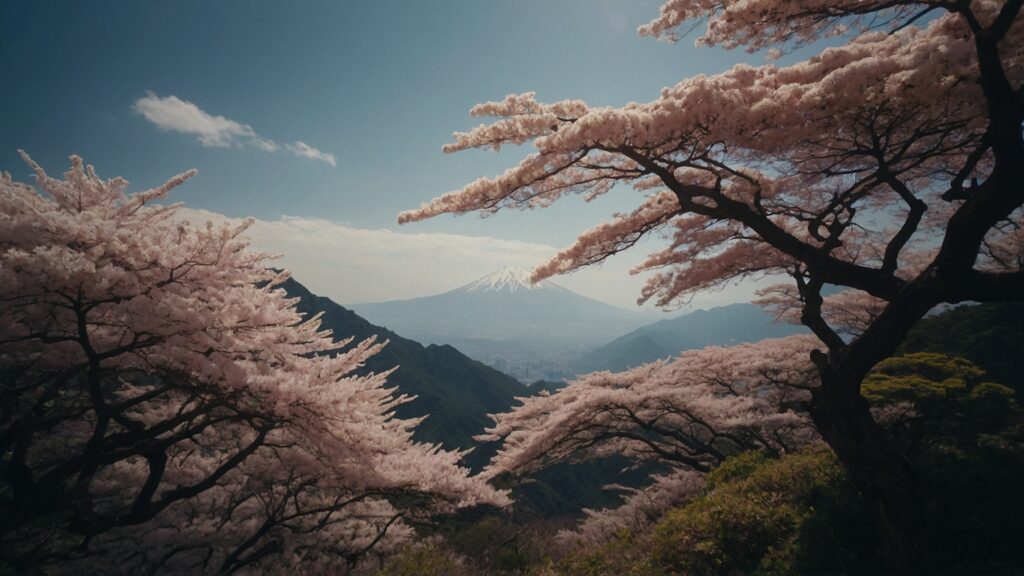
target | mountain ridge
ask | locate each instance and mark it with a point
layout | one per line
(454, 392)
(530, 331)
(719, 326)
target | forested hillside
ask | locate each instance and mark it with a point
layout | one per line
(454, 392)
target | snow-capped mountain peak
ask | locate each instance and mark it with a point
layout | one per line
(510, 279)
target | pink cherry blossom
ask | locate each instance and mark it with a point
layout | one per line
(889, 164)
(167, 409)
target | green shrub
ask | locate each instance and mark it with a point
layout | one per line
(423, 560)
(758, 515)
(765, 516)
(966, 442)
(626, 555)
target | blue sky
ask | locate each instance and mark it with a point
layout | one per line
(377, 85)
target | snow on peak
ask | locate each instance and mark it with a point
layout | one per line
(508, 278)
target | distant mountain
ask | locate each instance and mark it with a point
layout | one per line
(454, 391)
(528, 330)
(720, 326)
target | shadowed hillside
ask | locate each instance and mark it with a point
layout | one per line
(455, 392)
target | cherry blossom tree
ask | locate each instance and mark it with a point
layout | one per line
(693, 411)
(165, 408)
(891, 164)
(688, 414)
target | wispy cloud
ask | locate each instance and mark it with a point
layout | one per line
(176, 115)
(300, 148)
(351, 264)
(354, 265)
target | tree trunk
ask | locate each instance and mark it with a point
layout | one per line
(876, 466)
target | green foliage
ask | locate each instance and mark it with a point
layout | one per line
(423, 560)
(494, 543)
(736, 468)
(989, 335)
(501, 542)
(965, 438)
(756, 518)
(626, 555)
(758, 515)
(922, 377)
(952, 404)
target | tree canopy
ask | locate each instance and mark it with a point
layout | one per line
(164, 408)
(890, 165)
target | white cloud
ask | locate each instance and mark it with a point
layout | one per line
(355, 265)
(351, 265)
(300, 148)
(176, 115)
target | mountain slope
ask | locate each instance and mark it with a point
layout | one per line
(456, 392)
(720, 326)
(530, 331)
